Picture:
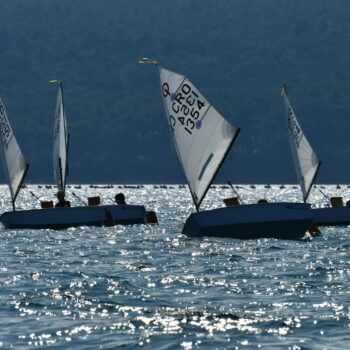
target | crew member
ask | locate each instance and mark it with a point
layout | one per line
(120, 199)
(62, 203)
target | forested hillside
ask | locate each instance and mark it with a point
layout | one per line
(237, 52)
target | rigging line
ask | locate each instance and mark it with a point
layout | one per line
(111, 199)
(324, 195)
(34, 195)
(81, 201)
(235, 192)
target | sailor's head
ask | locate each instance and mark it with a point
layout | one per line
(120, 198)
(60, 195)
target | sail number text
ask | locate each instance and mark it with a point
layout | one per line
(5, 128)
(294, 127)
(186, 107)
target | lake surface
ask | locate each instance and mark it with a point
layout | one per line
(150, 287)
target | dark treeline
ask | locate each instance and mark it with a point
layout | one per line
(237, 52)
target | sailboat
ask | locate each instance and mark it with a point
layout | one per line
(58, 218)
(202, 139)
(60, 141)
(307, 165)
(15, 166)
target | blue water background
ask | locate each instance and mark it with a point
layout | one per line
(147, 287)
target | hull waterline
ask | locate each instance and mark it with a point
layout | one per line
(333, 216)
(58, 218)
(266, 220)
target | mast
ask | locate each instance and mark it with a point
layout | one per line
(60, 143)
(312, 182)
(67, 136)
(220, 165)
(172, 136)
(19, 187)
(202, 137)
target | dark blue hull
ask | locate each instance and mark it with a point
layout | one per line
(253, 221)
(59, 218)
(339, 216)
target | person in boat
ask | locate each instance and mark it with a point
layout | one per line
(120, 199)
(62, 203)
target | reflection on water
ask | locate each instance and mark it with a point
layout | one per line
(148, 286)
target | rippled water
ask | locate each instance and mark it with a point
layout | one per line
(151, 287)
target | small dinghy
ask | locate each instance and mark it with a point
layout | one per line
(16, 168)
(251, 221)
(307, 165)
(59, 218)
(202, 139)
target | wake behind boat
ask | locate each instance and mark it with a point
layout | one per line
(202, 139)
(306, 164)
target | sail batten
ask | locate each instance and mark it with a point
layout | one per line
(202, 137)
(306, 162)
(60, 146)
(14, 163)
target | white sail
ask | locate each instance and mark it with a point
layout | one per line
(60, 143)
(202, 137)
(14, 162)
(305, 159)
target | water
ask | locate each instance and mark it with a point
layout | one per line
(151, 287)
